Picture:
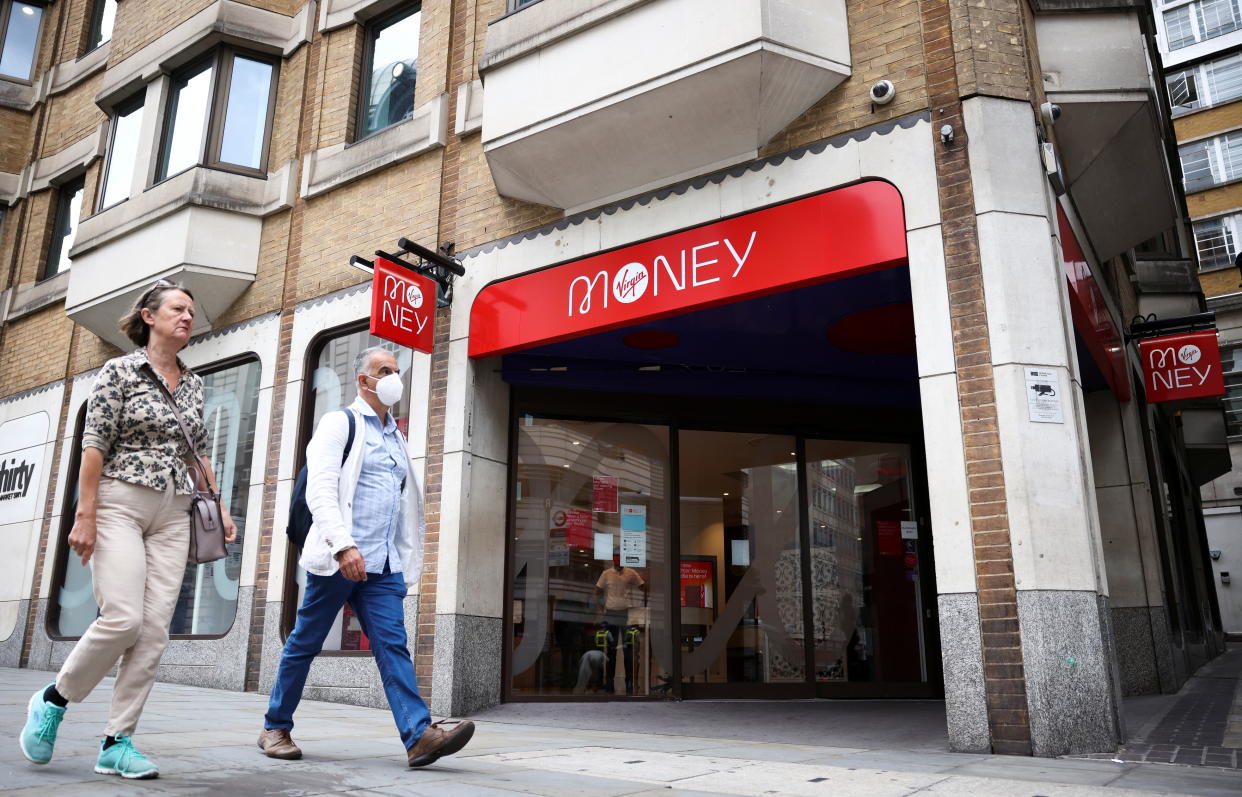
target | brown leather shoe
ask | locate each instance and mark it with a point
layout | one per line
(438, 741)
(277, 743)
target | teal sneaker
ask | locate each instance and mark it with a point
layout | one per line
(42, 722)
(124, 759)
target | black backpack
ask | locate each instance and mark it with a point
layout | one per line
(299, 513)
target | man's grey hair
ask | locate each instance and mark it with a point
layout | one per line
(363, 360)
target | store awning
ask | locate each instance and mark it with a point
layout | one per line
(841, 233)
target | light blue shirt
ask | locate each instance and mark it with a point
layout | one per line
(377, 498)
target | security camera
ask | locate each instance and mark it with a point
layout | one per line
(1051, 112)
(946, 135)
(882, 93)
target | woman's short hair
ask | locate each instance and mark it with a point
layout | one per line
(132, 324)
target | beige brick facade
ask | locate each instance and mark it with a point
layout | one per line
(71, 116)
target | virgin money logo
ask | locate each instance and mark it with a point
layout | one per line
(629, 283)
(1189, 354)
(414, 296)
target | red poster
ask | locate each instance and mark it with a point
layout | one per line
(1182, 366)
(888, 537)
(578, 528)
(403, 306)
(604, 490)
(840, 233)
(697, 576)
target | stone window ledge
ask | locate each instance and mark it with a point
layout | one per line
(10, 187)
(224, 20)
(30, 297)
(335, 14)
(44, 173)
(212, 188)
(331, 167)
(18, 95)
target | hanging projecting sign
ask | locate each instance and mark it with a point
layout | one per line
(403, 306)
(832, 235)
(1183, 366)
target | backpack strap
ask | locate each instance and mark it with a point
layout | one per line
(349, 441)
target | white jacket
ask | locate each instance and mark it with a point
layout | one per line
(330, 494)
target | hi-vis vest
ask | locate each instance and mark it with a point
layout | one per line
(601, 638)
(631, 636)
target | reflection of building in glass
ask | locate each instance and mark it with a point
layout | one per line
(836, 561)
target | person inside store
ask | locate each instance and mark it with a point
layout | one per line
(364, 547)
(614, 597)
(132, 526)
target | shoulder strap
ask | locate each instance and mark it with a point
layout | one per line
(349, 441)
(192, 460)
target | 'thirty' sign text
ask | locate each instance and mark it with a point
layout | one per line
(15, 479)
(831, 235)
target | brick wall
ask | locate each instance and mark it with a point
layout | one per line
(1214, 200)
(32, 248)
(16, 138)
(1204, 123)
(140, 22)
(36, 350)
(1004, 681)
(287, 119)
(71, 116)
(1225, 280)
(990, 47)
(341, 63)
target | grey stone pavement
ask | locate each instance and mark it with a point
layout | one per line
(204, 742)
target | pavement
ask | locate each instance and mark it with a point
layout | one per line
(204, 742)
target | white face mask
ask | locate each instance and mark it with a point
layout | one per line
(388, 389)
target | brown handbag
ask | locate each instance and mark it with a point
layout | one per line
(206, 514)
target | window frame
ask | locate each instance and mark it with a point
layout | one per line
(63, 551)
(1233, 428)
(1230, 228)
(220, 61)
(94, 33)
(63, 204)
(135, 103)
(369, 34)
(6, 16)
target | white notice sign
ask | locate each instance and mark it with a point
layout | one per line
(909, 530)
(1043, 399)
(603, 545)
(633, 548)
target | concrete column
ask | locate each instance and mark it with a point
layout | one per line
(1045, 498)
(1131, 552)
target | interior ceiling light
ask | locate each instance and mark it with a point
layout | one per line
(859, 489)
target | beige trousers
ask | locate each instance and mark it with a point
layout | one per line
(137, 568)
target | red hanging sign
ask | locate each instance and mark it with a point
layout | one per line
(852, 230)
(1183, 366)
(403, 306)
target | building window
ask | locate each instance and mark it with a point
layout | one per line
(103, 17)
(207, 604)
(1212, 161)
(514, 5)
(334, 387)
(19, 38)
(1199, 21)
(391, 70)
(122, 153)
(1215, 241)
(1231, 361)
(220, 114)
(1206, 84)
(68, 212)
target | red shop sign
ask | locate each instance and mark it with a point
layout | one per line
(836, 234)
(1090, 313)
(1182, 366)
(403, 306)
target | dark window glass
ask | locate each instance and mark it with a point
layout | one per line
(122, 155)
(388, 80)
(333, 386)
(19, 24)
(68, 212)
(101, 23)
(207, 604)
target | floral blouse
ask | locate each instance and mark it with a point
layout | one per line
(129, 420)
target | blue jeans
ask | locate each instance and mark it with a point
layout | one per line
(379, 604)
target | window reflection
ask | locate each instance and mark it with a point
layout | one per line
(245, 122)
(390, 75)
(187, 120)
(68, 212)
(123, 156)
(207, 604)
(21, 39)
(589, 559)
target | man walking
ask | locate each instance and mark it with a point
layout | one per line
(365, 545)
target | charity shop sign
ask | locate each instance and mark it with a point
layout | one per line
(835, 234)
(1184, 366)
(403, 306)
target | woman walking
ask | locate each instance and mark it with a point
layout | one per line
(132, 525)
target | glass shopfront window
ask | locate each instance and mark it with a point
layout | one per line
(865, 563)
(332, 386)
(589, 558)
(207, 604)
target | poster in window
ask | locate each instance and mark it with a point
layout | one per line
(605, 493)
(698, 582)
